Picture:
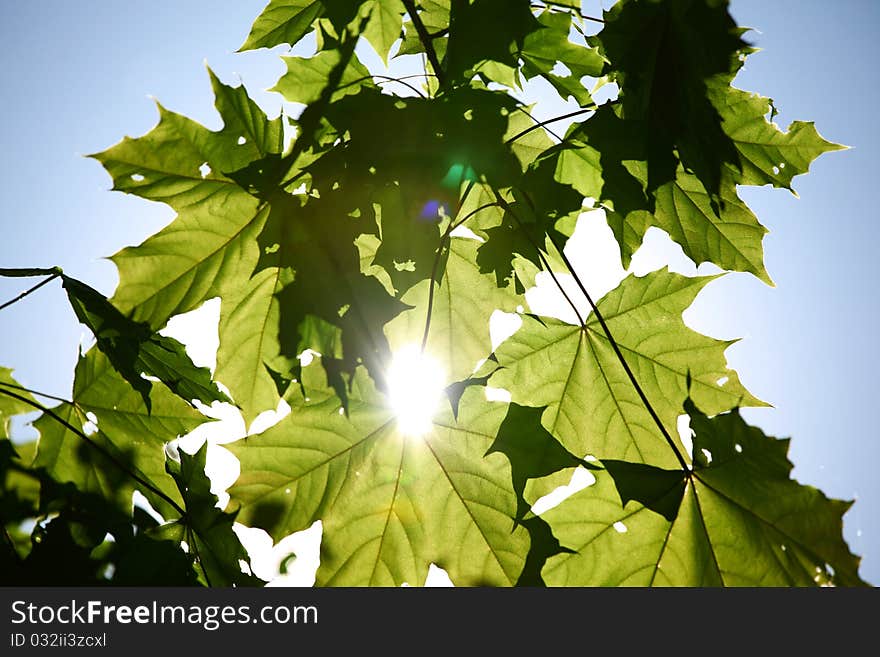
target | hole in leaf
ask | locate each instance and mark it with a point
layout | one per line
(205, 170)
(619, 527)
(497, 394)
(581, 478)
(738, 448)
(561, 70)
(90, 427)
(241, 141)
(137, 177)
(722, 380)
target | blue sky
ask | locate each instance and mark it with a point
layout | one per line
(76, 80)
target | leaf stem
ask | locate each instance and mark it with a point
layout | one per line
(52, 276)
(602, 323)
(620, 357)
(425, 38)
(191, 537)
(143, 482)
(388, 78)
(541, 124)
(38, 393)
(550, 4)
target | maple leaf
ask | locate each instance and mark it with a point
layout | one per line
(662, 54)
(736, 519)
(385, 26)
(135, 350)
(10, 406)
(250, 342)
(767, 155)
(592, 406)
(211, 245)
(469, 43)
(390, 504)
(543, 48)
(131, 436)
(283, 21)
(204, 527)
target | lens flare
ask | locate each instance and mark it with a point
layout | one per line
(415, 389)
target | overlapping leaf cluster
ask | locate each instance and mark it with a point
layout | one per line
(343, 232)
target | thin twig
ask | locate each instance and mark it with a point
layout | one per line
(143, 482)
(38, 393)
(614, 346)
(36, 287)
(385, 78)
(425, 38)
(549, 4)
(541, 124)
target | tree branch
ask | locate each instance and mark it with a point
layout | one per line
(52, 276)
(425, 38)
(143, 482)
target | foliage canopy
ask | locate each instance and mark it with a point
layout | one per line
(407, 211)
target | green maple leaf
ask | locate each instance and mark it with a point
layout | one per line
(592, 407)
(130, 435)
(662, 54)
(206, 529)
(543, 48)
(385, 26)
(736, 519)
(390, 504)
(283, 21)
(729, 236)
(470, 43)
(767, 155)
(211, 245)
(307, 77)
(527, 142)
(10, 406)
(435, 17)
(605, 158)
(134, 349)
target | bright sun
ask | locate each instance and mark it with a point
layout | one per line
(415, 389)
